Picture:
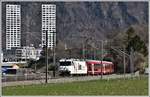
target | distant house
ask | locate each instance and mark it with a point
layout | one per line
(28, 53)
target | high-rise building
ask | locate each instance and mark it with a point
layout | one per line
(49, 24)
(13, 26)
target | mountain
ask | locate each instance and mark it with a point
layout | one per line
(97, 20)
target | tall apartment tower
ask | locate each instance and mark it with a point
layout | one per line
(13, 26)
(49, 24)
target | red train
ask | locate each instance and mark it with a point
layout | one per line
(98, 67)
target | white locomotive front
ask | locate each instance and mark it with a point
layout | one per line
(72, 66)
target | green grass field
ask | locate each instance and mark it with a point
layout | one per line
(134, 86)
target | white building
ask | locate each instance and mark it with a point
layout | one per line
(1, 59)
(13, 26)
(28, 53)
(49, 24)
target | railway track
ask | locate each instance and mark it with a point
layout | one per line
(66, 79)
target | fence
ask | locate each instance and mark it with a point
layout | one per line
(34, 76)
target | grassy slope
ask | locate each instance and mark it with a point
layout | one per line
(133, 86)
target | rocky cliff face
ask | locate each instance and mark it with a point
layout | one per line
(98, 20)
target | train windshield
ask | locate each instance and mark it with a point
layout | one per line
(66, 63)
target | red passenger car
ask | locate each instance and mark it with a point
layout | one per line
(95, 67)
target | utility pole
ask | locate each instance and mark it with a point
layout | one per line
(131, 62)
(93, 48)
(46, 57)
(101, 59)
(26, 52)
(54, 54)
(124, 62)
(94, 53)
(83, 50)
(26, 55)
(26, 60)
(130, 58)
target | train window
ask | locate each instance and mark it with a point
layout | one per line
(106, 64)
(97, 65)
(89, 68)
(80, 67)
(65, 63)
